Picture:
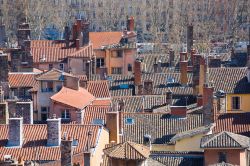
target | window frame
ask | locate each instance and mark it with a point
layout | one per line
(99, 62)
(65, 114)
(62, 69)
(236, 102)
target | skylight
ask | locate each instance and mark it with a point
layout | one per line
(129, 121)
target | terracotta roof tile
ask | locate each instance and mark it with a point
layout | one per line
(233, 122)
(55, 51)
(74, 98)
(128, 150)
(53, 74)
(100, 89)
(34, 146)
(17, 80)
(100, 39)
(95, 112)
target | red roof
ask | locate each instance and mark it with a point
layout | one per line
(55, 51)
(74, 98)
(100, 89)
(95, 112)
(100, 39)
(34, 146)
(17, 80)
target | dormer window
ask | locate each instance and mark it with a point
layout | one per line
(236, 103)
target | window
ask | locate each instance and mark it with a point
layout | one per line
(50, 66)
(47, 86)
(129, 121)
(117, 54)
(99, 62)
(61, 66)
(58, 88)
(236, 103)
(222, 157)
(116, 70)
(65, 114)
(129, 67)
(44, 113)
(98, 122)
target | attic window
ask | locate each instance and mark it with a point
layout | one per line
(75, 142)
(129, 121)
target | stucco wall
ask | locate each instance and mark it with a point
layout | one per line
(189, 144)
(162, 147)
(245, 104)
(212, 156)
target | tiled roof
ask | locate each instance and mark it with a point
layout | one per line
(180, 160)
(230, 80)
(102, 102)
(53, 75)
(190, 133)
(225, 139)
(74, 98)
(128, 151)
(100, 89)
(233, 122)
(35, 143)
(161, 127)
(100, 39)
(55, 51)
(17, 80)
(95, 112)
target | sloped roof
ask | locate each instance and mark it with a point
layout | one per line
(55, 51)
(225, 139)
(128, 150)
(53, 75)
(21, 80)
(161, 127)
(100, 89)
(95, 112)
(74, 98)
(190, 133)
(233, 122)
(35, 142)
(100, 39)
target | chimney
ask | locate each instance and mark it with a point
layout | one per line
(54, 131)
(148, 87)
(74, 33)
(121, 105)
(23, 33)
(1, 94)
(15, 132)
(183, 70)
(183, 56)
(169, 97)
(77, 44)
(199, 100)
(27, 45)
(112, 124)
(138, 90)
(79, 117)
(86, 160)
(4, 67)
(67, 36)
(72, 82)
(66, 152)
(171, 58)
(193, 51)
(202, 75)
(208, 104)
(85, 32)
(147, 140)
(248, 61)
(196, 74)
(189, 38)
(180, 111)
(137, 73)
(131, 24)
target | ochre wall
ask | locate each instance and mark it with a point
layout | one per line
(245, 102)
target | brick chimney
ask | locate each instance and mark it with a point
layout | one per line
(131, 24)
(23, 33)
(202, 74)
(196, 74)
(169, 97)
(189, 38)
(72, 82)
(113, 126)
(4, 67)
(208, 116)
(171, 58)
(54, 131)
(183, 70)
(199, 100)
(79, 117)
(148, 87)
(193, 51)
(74, 32)
(137, 73)
(15, 132)
(67, 36)
(180, 111)
(66, 152)
(183, 56)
